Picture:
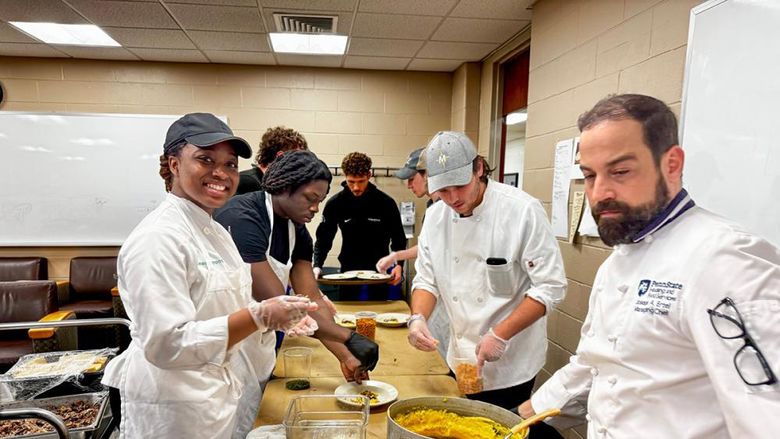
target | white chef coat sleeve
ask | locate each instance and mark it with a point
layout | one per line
(541, 258)
(746, 269)
(424, 278)
(153, 270)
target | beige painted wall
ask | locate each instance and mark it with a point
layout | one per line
(582, 50)
(384, 114)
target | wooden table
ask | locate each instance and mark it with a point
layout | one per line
(396, 356)
(277, 398)
(353, 281)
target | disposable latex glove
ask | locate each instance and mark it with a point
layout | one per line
(490, 348)
(328, 304)
(365, 350)
(353, 371)
(387, 262)
(317, 272)
(280, 313)
(305, 327)
(419, 335)
(526, 410)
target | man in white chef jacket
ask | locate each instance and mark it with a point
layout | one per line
(682, 336)
(488, 254)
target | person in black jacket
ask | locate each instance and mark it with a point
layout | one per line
(369, 221)
(275, 142)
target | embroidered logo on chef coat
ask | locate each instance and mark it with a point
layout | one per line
(656, 297)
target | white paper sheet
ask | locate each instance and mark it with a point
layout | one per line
(588, 225)
(576, 213)
(560, 190)
(576, 172)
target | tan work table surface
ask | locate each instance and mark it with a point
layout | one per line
(396, 356)
(276, 397)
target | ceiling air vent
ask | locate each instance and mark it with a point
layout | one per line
(305, 24)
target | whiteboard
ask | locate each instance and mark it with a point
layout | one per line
(731, 112)
(78, 179)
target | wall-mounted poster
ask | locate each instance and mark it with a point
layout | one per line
(511, 179)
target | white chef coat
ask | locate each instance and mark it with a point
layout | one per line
(649, 357)
(180, 276)
(452, 251)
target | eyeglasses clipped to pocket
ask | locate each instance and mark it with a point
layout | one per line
(500, 277)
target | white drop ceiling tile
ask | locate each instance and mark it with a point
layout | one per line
(478, 30)
(501, 9)
(445, 50)
(321, 5)
(287, 59)
(170, 55)
(237, 57)
(219, 18)
(410, 7)
(116, 53)
(9, 34)
(375, 63)
(343, 24)
(435, 65)
(39, 11)
(407, 27)
(153, 38)
(22, 49)
(125, 14)
(382, 47)
(214, 2)
(233, 41)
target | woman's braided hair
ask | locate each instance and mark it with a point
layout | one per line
(293, 170)
(165, 170)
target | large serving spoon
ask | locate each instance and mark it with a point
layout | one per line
(532, 420)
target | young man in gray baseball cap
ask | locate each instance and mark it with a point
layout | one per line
(489, 255)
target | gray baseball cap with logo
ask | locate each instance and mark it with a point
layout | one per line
(448, 157)
(410, 167)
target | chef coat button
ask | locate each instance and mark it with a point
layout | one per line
(206, 231)
(454, 298)
(459, 336)
(649, 239)
(622, 288)
(457, 259)
(611, 338)
(602, 430)
(612, 380)
(454, 220)
(587, 417)
(594, 371)
(479, 299)
(477, 219)
(591, 333)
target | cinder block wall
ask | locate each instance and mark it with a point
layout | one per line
(385, 114)
(581, 51)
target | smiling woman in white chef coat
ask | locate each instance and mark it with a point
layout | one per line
(682, 336)
(195, 328)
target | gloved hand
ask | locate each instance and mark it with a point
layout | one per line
(353, 371)
(317, 272)
(398, 275)
(490, 348)
(328, 304)
(387, 262)
(280, 313)
(306, 326)
(365, 350)
(419, 335)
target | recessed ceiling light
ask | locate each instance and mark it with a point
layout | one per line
(67, 34)
(516, 117)
(310, 44)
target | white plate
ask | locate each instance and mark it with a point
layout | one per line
(392, 319)
(344, 319)
(374, 276)
(385, 393)
(358, 273)
(339, 276)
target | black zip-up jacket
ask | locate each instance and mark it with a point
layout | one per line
(368, 223)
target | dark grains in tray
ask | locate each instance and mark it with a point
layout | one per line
(75, 415)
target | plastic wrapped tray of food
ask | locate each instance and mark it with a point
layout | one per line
(43, 374)
(82, 414)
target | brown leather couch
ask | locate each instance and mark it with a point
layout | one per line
(88, 295)
(29, 301)
(23, 268)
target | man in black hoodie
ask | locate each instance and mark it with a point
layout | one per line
(369, 221)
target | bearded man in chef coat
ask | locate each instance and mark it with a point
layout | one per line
(682, 336)
(488, 254)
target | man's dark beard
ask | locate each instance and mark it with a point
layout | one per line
(621, 230)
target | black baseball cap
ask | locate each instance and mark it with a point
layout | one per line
(204, 130)
(410, 167)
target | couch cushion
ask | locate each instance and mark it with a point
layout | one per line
(92, 276)
(25, 301)
(90, 309)
(11, 350)
(24, 268)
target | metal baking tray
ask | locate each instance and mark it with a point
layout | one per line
(101, 419)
